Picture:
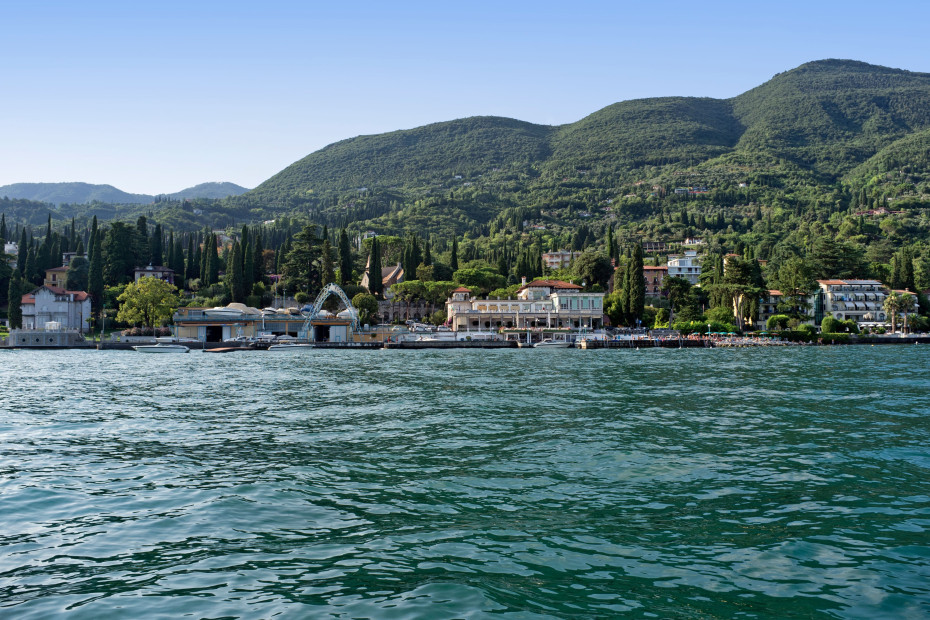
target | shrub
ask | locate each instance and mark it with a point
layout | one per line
(797, 336)
(700, 327)
(719, 315)
(777, 321)
(830, 325)
(850, 326)
(834, 338)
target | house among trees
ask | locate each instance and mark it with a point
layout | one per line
(57, 277)
(162, 273)
(560, 259)
(389, 276)
(52, 304)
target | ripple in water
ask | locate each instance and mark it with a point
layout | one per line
(522, 484)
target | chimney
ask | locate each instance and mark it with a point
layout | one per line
(523, 281)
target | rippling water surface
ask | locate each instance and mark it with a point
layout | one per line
(417, 484)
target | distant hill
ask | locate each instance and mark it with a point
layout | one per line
(210, 190)
(73, 193)
(826, 116)
(82, 193)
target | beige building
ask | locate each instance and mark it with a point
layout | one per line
(541, 303)
(560, 259)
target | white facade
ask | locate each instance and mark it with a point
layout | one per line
(48, 304)
(687, 266)
(541, 303)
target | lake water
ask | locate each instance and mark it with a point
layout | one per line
(513, 483)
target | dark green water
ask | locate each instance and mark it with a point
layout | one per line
(519, 484)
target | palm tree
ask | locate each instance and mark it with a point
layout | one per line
(895, 303)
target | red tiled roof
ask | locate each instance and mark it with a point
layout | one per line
(775, 293)
(655, 267)
(462, 289)
(552, 284)
(57, 290)
(58, 269)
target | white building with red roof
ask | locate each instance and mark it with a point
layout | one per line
(51, 304)
(540, 303)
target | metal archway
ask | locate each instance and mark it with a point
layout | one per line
(332, 289)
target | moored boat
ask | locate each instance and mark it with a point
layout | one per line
(549, 343)
(161, 347)
(289, 346)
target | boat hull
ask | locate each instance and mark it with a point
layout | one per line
(161, 348)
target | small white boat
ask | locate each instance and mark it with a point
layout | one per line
(289, 346)
(549, 343)
(161, 347)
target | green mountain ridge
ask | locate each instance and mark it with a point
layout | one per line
(828, 116)
(83, 193)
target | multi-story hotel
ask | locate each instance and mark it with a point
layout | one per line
(860, 300)
(541, 303)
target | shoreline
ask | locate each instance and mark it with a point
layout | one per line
(684, 343)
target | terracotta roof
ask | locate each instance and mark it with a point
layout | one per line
(462, 289)
(655, 267)
(57, 290)
(775, 293)
(58, 269)
(864, 282)
(551, 284)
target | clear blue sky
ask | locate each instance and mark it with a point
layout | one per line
(153, 97)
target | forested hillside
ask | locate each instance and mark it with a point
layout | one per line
(827, 164)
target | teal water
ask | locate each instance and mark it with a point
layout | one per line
(466, 484)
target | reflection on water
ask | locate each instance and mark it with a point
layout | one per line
(679, 483)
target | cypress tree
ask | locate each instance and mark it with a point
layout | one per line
(258, 260)
(248, 268)
(454, 259)
(345, 258)
(14, 298)
(95, 272)
(204, 271)
(234, 274)
(637, 285)
(327, 275)
(427, 255)
(156, 247)
(31, 271)
(214, 261)
(189, 267)
(23, 252)
(375, 286)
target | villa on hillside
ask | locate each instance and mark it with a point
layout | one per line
(541, 303)
(389, 276)
(687, 266)
(51, 304)
(157, 271)
(560, 259)
(654, 275)
(57, 277)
